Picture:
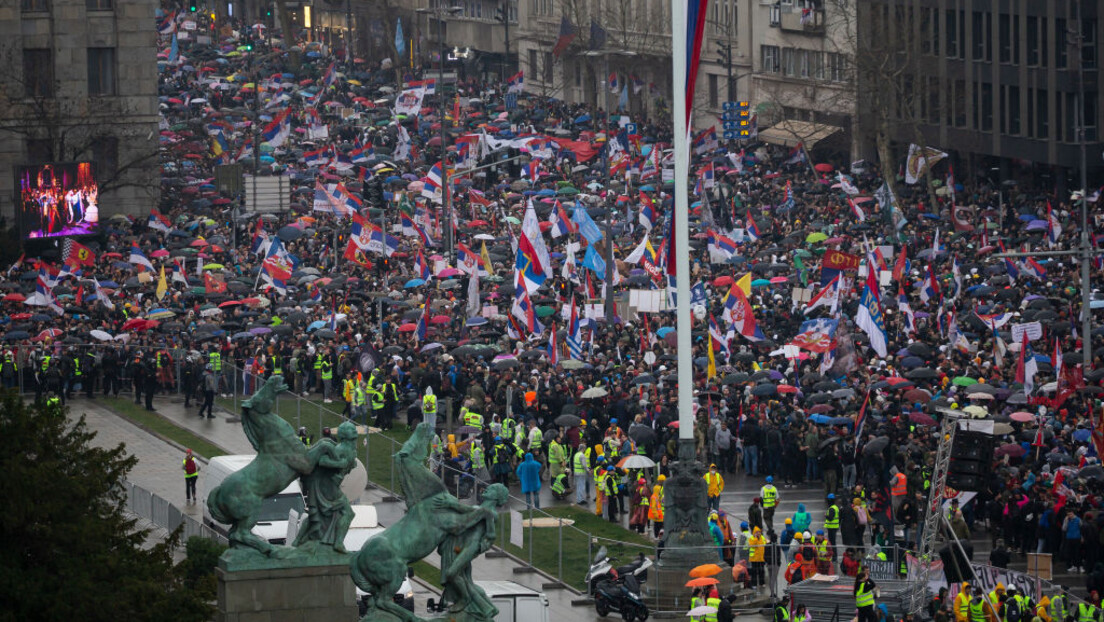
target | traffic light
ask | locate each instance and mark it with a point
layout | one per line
(724, 50)
(249, 47)
(193, 6)
(500, 14)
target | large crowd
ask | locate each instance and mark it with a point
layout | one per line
(355, 297)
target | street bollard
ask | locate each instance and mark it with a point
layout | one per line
(590, 558)
(530, 538)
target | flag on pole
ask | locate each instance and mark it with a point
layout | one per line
(162, 284)
(869, 319)
(566, 36)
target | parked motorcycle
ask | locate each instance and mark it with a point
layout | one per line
(618, 589)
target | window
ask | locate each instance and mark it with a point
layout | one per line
(953, 44)
(1031, 112)
(958, 100)
(981, 28)
(713, 91)
(775, 15)
(1088, 43)
(1042, 114)
(1090, 115)
(803, 63)
(31, 6)
(1061, 41)
(38, 72)
(99, 5)
(101, 71)
(926, 42)
(1003, 109)
(986, 107)
(1015, 39)
(837, 67)
(1044, 42)
(548, 60)
(817, 60)
(770, 58)
(1015, 125)
(1005, 32)
(578, 74)
(934, 90)
(39, 151)
(533, 69)
(105, 154)
(788, 62)
(1032, 40)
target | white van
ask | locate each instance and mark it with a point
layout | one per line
(515, 602)
(273, 525)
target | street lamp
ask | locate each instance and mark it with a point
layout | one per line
(609, 305)
(446, 200)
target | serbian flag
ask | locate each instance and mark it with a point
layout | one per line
(929, 290)
(752, 228)
(860, 421)
(561, 222)
(1054, 226)
(158, 221)
(901, 266)
(139, 258)
(647, 212)
(696, 11)
(739, 314)
(856, 210)
(421, 267)
(553, 351)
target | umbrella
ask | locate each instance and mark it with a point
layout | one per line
(963, 381)
(975, 411)
(922, 373)
(643, 379)
(1094, 471)
(705, 570)
(568, 421)
(1021, 416)
(642, 434)
(876, 445)
(1015, 450)
(101, 335)
(701, 611)
(921, 418)
(636, 461)
(764, 390)
(702, 582)
(594, 392)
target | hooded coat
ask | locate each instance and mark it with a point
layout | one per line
(529, 474)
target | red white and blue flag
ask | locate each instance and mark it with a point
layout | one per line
(696, 11)
(159, 221)
(561, 222)
(752, 228)
(277, 131)
(738, 312)
(1054, 226)
(421, 268)
(553, 350)
(139, 258)
(648, 216)
(516, 83)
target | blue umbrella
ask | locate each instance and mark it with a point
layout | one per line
(1081, 435)
(1037, 225)
(315, 325)
(414, 283)
(663, 332)
(647, 188)
(583, 118)
(477, 321)
(820, 419)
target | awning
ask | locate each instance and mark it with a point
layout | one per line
(790, 133)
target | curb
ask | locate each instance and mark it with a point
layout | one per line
(162, 437)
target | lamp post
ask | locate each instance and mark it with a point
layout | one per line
(446, 193)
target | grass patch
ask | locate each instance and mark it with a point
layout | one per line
(427, 572)
(577, 545)
(157, 424)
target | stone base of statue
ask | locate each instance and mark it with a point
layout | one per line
(688, 542)
(384, 616)
(316, 593)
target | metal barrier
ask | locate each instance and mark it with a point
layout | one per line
(159, 511)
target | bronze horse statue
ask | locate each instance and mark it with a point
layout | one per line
(281, 459)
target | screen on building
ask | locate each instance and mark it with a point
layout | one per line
(57, 200)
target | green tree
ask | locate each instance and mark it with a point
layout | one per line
(67, 549)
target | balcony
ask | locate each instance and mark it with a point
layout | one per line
(807, 21)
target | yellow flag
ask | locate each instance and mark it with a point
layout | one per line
(162, 284)
(745, 284)
(711, 371)
(486, 257)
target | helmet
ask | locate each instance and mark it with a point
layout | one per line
(807, 535)
(799, 536)
(743, 525)
(498, 439)
(789, 521)
(831, 496)
(770, 479)
(820, 532)
(661, 478)
(601, 458)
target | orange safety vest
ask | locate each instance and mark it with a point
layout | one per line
(655, 508)
(900, 485)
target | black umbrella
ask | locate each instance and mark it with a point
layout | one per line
(923, 373)
(876, 445)
(920, 349)
(764, 390)
(735, 378)
(568, 421)
(643, 379)
(289, 233)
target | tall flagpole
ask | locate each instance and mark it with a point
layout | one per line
(682, 224)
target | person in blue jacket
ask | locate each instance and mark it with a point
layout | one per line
(801, 518)
(529, 474)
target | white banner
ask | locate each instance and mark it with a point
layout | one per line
(409, 102)
(1034, 330)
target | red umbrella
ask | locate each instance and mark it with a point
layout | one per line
(13, 297)
(824, 167)
(921, 396)
(440, 319)
(723, 281)
(229, 303)
(1021, 416)
(921, 418)
(408, 328)
(49, 333)
(21, 316)
(897, 380)
(821, 409)
(673, 424)
(785, 388)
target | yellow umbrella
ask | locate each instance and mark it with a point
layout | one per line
(213, 266)
(354, 82)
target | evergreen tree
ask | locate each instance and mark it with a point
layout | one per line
(68, 551)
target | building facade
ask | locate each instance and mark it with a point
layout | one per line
(995, 83)
(78, 82)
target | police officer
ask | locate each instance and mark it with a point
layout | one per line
(580, 467)
(1059, 606)
(429, 404)
(769, 494)
(214, 359)
(864, 597)
(831, 522)
(325, 371)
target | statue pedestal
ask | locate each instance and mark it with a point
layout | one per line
(302, 594)
(688, 542)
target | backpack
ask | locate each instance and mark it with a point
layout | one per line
(191, 467)
(1012, 610)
